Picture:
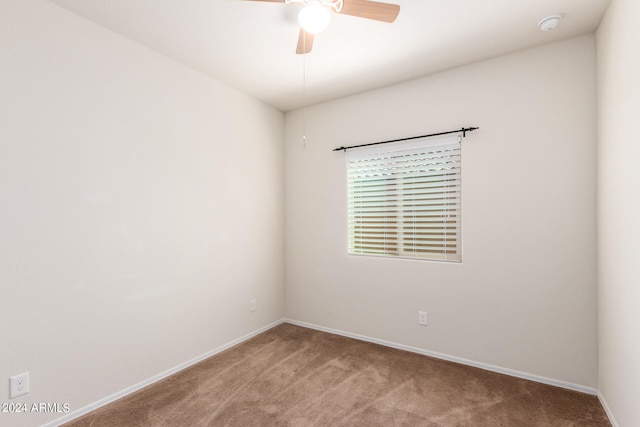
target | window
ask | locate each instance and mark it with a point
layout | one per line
(406, 202)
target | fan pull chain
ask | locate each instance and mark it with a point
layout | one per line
(304, 92)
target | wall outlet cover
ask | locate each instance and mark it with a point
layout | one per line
(19, 385)
(422, 318)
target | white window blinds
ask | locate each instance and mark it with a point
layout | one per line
(406, 202)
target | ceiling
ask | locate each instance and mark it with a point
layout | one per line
(251, 45)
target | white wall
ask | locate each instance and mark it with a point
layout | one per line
(619, 210)
(524, 297)
(141, 208)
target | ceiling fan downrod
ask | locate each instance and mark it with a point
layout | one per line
(336, 5)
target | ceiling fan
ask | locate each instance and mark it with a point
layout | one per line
(315, 16)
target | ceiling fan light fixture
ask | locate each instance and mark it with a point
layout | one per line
(314, 18)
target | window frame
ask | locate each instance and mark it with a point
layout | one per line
(431, 155)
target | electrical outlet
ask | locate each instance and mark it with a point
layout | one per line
(253, 305)
(19, 385)
(422, 318)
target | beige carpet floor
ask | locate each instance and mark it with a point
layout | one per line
(294, 376)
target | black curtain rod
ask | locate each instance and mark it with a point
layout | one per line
(463, 130)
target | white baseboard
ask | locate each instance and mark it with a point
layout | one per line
(607, 410)
(485, 366)
(118, 395)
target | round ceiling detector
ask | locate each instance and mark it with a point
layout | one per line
(549, 23)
